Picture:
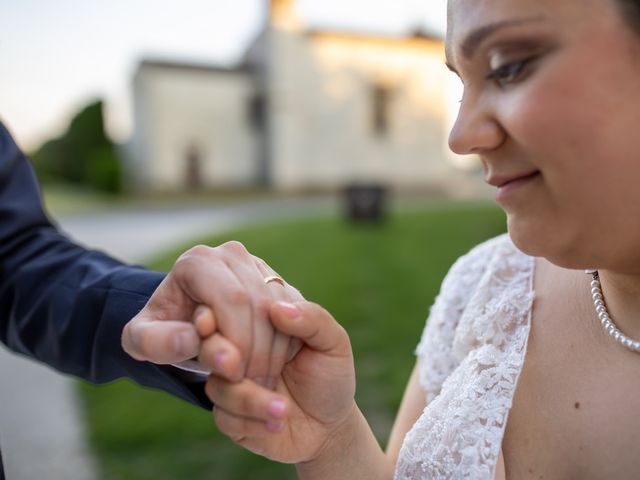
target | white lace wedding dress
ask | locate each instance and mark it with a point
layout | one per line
(471, 354)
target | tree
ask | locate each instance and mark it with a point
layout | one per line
(83, 155)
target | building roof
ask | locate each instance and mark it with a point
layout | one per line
(417, 36)
(181, 65)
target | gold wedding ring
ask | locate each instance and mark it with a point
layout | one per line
(274, 278)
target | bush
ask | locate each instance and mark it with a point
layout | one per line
(103, 171)
(83, 155)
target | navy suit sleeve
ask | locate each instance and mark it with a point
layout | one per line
(65, 305)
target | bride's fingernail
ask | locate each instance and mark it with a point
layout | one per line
(274, 426)
(219, 359)
(276, 408)
(262, 381)
(271, 382)
(290, 309)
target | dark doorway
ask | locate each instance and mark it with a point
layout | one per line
(193, 168)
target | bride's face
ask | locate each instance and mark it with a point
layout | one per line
(551, 105)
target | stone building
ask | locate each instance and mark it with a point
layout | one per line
(304, 109)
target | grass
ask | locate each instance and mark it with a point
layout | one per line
(378, 281)
(66, 199)
(69, 200)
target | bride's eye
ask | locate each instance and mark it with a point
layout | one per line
(509, 73)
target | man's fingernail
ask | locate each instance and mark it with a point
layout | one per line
(132, 346)
(290, 309)
(132, 333)
(184, 344)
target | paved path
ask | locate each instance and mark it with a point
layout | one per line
(136, 235)
(41, 427)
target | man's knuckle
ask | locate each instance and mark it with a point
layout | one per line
(237, 296)
(263, 304)
(293, 293)
(234, 247)
(261, 263)
(196, 252)
(186, 261)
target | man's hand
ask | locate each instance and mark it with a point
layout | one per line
(224, 287)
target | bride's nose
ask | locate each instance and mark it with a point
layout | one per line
(475, 130)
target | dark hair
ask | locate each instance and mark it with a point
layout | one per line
(631, 13)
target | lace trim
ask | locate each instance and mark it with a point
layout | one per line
(471, 355)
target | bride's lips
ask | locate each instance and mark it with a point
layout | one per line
(507, 185)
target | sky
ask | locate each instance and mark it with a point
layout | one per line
(57, 56)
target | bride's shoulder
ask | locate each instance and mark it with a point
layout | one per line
(472, 271)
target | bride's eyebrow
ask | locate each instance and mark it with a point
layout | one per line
(474, 40)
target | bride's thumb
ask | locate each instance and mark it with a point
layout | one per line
(312, 324)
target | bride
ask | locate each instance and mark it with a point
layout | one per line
(528, 367)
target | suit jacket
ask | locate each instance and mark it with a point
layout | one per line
(62, 304)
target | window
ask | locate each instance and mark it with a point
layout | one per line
(257, 113)
(380, 103)
(193, 174)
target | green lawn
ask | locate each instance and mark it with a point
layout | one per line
(65, 199)
(378, 281)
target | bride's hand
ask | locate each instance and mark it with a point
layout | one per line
(314, 396)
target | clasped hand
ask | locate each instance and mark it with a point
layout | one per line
(282, 377)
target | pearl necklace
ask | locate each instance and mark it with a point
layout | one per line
(603, 315)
